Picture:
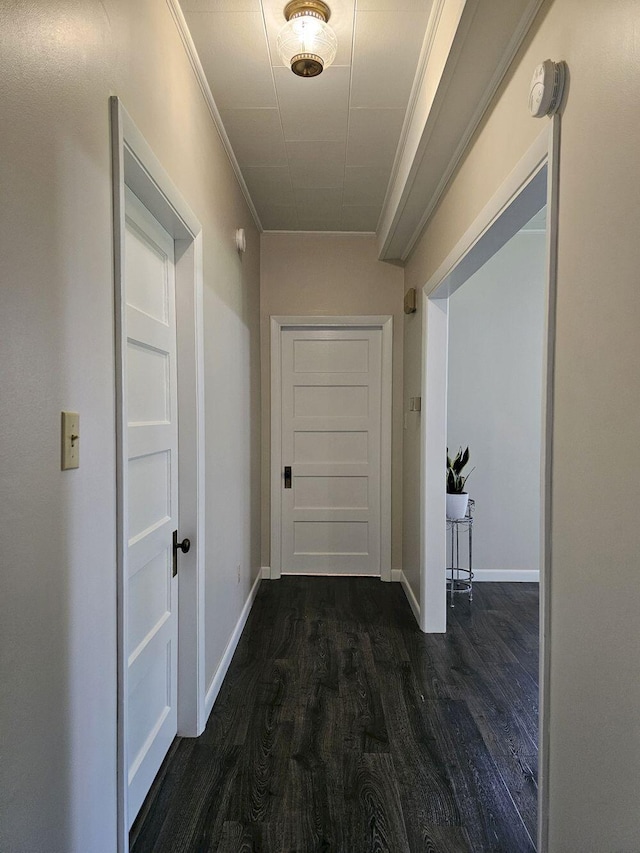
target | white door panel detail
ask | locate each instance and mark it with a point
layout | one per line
(151, 505)
(331, 437)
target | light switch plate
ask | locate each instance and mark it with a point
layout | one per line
(70, 440)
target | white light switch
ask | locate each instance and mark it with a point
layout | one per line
(70, 440)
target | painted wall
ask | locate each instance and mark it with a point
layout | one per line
(59, 63)
(496, 329)
(594, 692)
(330, 274)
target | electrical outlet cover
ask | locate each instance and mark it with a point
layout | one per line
(70, 440)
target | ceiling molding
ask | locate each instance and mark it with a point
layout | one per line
(483, 104)
(192, 55)
(425, 53)
(323, 233)
(428, 157)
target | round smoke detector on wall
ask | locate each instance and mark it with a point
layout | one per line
(241, 240)
(547, 85)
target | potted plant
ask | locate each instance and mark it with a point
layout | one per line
(457, 498)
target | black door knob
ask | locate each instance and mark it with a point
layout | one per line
(184, 547)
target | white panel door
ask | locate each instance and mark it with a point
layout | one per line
(331, 425)
(151, 502)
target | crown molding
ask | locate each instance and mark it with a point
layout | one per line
(194, 59)
(425, 160)
(416, 88)
(483, 104)
(322, 233)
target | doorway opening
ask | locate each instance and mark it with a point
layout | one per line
(494, 406)
(532, 185)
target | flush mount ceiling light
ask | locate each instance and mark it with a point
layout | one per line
(306, 42)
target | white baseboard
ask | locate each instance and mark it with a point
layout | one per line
(266, 573)
(413, 602)
(396, 575)
(507, 575)
(223, 666)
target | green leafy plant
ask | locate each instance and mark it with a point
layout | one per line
(455, 467)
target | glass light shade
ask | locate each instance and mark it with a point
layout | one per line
(307, 44)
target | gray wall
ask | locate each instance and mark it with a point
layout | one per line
(496, 328)
(60, 61)
(594, 693)
(307, 274)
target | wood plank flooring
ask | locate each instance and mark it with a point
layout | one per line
(341, 727)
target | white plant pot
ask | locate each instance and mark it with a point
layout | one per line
(457, 505)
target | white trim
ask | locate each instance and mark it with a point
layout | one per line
(117, 155)
(201, 78)
(440, 75)
(373, 321)
(413, 601)
(506, 576)
(396, 575)
(191, 624)
(546, 474)
(506, 195)
(378, 321)
(327, 575)
(489, 231)
(442, 27)
(433, 434)
(265, 573)
(414, 98)
(225, 661)
(135, 164)
(276, 449)
(322, 233)
(483, 104)
(386, 408)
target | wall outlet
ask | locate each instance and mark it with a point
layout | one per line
(238, 569)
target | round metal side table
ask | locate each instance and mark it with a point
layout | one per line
(460, 578)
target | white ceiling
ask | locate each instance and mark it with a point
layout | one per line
(315, 153)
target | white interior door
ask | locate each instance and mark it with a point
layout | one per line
(151, 498)
(331, 429)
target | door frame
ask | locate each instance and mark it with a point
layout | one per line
(278, 325)
(134, 164)
(535, 176)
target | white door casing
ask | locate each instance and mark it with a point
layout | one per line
(331, 402)
(151, 490)
(534, 180)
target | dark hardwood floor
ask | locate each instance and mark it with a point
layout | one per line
(341, 727)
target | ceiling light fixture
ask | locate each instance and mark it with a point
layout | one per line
(306, 42)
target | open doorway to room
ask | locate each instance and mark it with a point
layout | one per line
(494, 406)
(496, 335)
(494, 347)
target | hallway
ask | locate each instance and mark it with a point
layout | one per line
(341, 727)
